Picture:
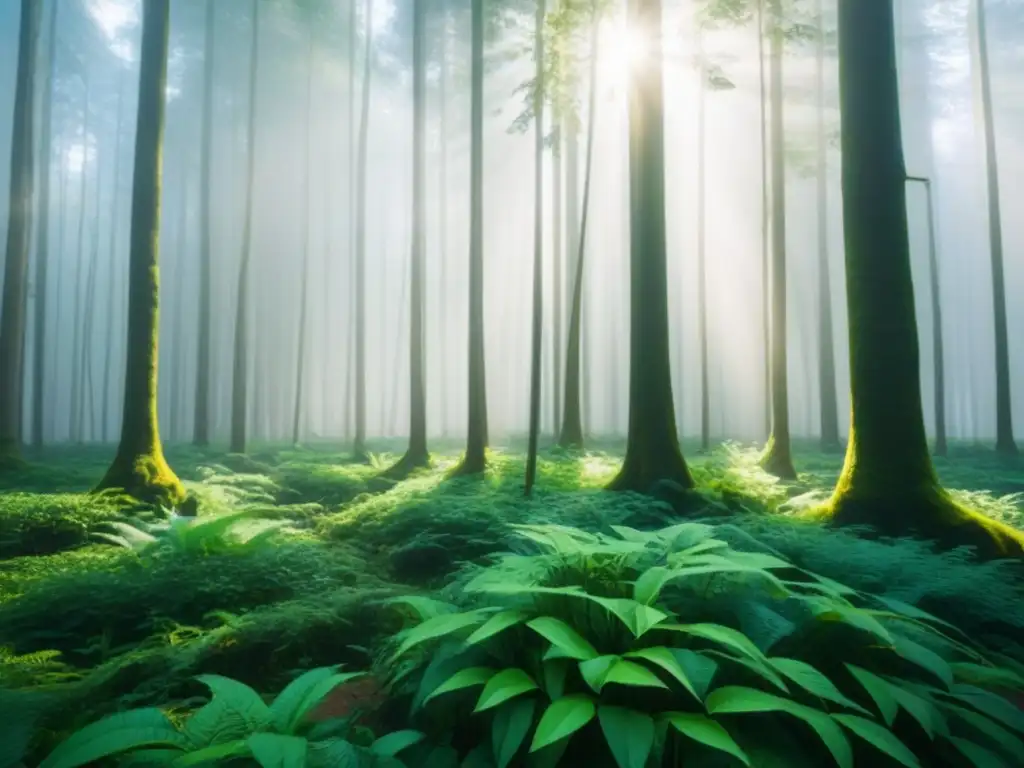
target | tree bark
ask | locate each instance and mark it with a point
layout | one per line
(178, 345)
(475, 459)
(888, 481)
(1005, 443)
(538, 251)
(777, 457)
(652, 443)
(766, 321)
(442, 201)
(76, 305)
(239, 384)
(826, 342)
(204, 355)
(702, 278)
(139, 466)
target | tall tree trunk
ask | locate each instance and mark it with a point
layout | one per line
(475, 459)
(887, 481)
(417, 455)
(239, 386)
(777, 457)
(300, 365)
(204, 355)
(112, 277)
(557, 270)
(62, 210)
(702, 278)
(652, 443)
(442, 201)
(178, 343)
(571, 434)
(1005, 443)
(76, 304)
(938, 348)
(19, 227)
(139, 466)
(766, 321)
(43, 236)
(826, 342)
(359, 284)
(87, 399)
(538, 251)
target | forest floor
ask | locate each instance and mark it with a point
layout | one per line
(308, 545)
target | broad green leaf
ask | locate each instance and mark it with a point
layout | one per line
(114, 735)
(511, 723)
(913, 612)
(648, 585)
(759, 560)
(232, 701)
(988, 703)
(497, 623)
(563, 718)
(391, 744)
(565, 638)
(424, 607)
(706, 731)
(637, 617)
(708, 545)
(505, 685)
(632, 674)
(630, 735)
(921, 709)
(978, 756)
(439, 626)
(761, 669)
(284, 708)
(595, 671)
(854, 617)
(736, 700)
(812, 681)
(721, 635)
(986, 676)
(698, 667)
(880, 692)
(999, 735)
(924, 658)
(662, 657)
(879, 737)
(212, 755)
(632, 534)
(311, 696)
(274, 750)
(464, 678)
(555, 672)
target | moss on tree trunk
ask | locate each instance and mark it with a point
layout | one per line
(139, 466)
(652, 444)
(887, 481)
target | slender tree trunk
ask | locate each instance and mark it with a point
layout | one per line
(938, 348)
(87, 402)
(1005, 443)
(538, 252)
(62, 209)
(204, 358)
(139, 466)
(239, 387)
(766, 322)
(359, 287)
(300, 366)
(702, 278)
(76, 312)
(417, 454)
(112, 278)
(43, 236)
(571, 435)
(475, 459)
(777, 457)
(652, 443)
(442, 201)
(19, 227)
(888, 481)
(826, 349)
(557, 269)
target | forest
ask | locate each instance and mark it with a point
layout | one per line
(511, 383)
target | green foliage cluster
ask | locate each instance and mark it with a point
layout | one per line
(672, 648)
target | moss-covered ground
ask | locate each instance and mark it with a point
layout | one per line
(96, 627)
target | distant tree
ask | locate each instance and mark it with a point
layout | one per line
(652, 443)
(417, 455)
(139, 466)
(239, 380)
(475, 459)
(204, 354)
(1005, 443)
(888, 481)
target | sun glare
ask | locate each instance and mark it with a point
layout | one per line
(623, 49)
